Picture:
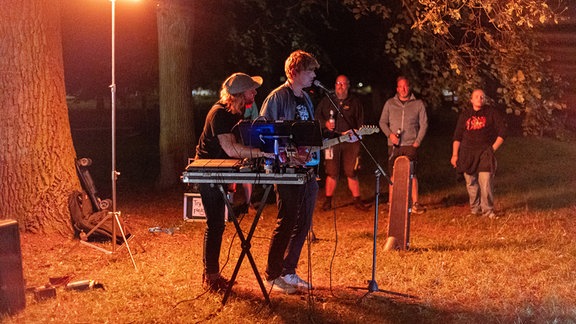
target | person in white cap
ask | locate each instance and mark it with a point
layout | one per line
(218, 142)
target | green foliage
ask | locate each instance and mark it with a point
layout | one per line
(454, 45)
(263, 33)
(465, 44)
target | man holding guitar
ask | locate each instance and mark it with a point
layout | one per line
(344, 156)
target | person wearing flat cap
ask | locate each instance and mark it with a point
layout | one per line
(218, 141)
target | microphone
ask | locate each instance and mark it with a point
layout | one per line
(321, 86)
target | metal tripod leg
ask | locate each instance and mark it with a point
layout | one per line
(115, 222)
(246, 244)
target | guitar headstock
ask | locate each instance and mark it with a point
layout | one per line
(368, 129)
(364, 130)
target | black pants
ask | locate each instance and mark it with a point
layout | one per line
(214, 207)
(295, 208)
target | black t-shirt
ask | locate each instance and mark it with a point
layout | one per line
(476, 131)
(352, 109)
(302, 109)
(479, 129)
(218, 121)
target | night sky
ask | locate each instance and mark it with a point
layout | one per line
(86, 31)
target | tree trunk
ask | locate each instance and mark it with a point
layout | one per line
(177, 134)
(37, 171)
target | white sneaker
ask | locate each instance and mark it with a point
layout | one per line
(280, 285)
(491, 215)
(418, 209)
(295, 281)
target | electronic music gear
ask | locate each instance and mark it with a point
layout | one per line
(300, 176)
(268, 134)
(215, 165)
(210, 171)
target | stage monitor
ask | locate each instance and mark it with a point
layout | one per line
(264, 134)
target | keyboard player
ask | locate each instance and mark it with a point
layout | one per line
(218, 141)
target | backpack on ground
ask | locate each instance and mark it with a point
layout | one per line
(85, 219)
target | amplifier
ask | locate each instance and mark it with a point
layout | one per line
(12, 286)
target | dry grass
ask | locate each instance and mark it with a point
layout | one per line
(519, 268)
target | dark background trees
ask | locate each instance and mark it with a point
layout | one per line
(447, 48)
(36, 153)
(177, 132)
(444, 46)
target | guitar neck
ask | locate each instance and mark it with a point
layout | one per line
(330, 142)
(333, 141)
(364, 130)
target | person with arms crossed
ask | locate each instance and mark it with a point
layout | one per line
(479, 133)
(218, 141)
(405, 122)
(295, 202)
(344, 155)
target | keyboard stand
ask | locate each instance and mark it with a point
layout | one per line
(245, 243)
(267, 180)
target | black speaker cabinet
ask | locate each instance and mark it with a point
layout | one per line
(12, 286)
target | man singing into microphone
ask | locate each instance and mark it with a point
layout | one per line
(295, 202)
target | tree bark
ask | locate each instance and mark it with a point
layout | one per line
(177, 133)
(37, 171)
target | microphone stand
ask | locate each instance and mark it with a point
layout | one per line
(372, 285)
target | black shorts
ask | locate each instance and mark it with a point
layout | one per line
(344, 157)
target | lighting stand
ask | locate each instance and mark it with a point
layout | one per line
(114, 214)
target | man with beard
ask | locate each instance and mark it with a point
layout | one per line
(218, 141)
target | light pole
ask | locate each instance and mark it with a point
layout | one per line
(114, 214)
(113, 107)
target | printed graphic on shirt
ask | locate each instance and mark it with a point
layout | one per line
(302, 112)
(342, 105)
(476, 123)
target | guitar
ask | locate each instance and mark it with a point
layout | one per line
(351, 138)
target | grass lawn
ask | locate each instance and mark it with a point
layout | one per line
(520, 268)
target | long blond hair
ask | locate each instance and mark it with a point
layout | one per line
(234, 102)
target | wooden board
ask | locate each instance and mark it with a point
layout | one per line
(399, 211)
